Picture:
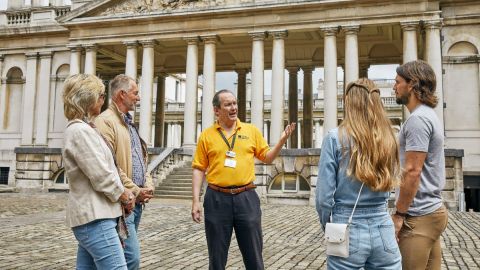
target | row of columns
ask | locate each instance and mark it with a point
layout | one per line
(352, 72)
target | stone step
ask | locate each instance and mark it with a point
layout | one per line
(174, 192)
(174, 187)
(179, 185)
(179, 197)
(177, 181)
(179, 176)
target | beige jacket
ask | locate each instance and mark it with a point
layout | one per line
(111, 124)
(94, 182)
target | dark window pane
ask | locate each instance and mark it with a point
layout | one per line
(4, 175)
(290, 182)
(304, 186)
(277, 184)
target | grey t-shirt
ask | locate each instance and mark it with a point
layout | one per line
(422, 132)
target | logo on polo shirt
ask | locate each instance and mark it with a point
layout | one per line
(242, 137)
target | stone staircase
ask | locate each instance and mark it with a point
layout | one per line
(177, 185)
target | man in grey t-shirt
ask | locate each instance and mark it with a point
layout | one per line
(421, 217)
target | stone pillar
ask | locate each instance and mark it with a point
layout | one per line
(145, 129)
(208, 116)
(307, 108)
(75, 59)
(131, 60)
(351, 53)
(242, 94)
(293, 103)
(330, 67)
(318, 134)
(363, 73)
(29, 99)
(160, 112)
(409, 40)
(256, 111)
(191, 87)
(91, 59)
(409, 49)
(3, 90)
(278, 81)
(43, 98)
(433, 55)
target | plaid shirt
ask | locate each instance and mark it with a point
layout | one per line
(138, 164)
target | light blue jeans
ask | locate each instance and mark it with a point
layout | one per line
(132, 246)
(372, 240)
(99, 246)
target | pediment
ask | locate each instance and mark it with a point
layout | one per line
(107, 8)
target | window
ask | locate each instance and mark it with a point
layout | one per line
(289, 183)
(4, 175)
(61, 179)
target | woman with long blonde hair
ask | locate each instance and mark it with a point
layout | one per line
(359, 159)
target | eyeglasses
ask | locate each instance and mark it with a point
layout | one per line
(102, 95)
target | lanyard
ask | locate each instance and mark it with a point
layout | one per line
(230, 147)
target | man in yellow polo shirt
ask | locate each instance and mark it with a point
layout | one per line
(225, 155)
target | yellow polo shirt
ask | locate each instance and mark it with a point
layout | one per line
(211, 151)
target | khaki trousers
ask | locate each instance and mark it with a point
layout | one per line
(420, 240)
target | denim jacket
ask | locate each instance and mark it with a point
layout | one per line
(334, 187)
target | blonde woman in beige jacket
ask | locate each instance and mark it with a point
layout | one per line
(96, 194)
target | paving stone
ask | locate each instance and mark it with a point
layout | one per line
(34, 236)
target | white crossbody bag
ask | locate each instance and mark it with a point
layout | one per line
(337, 235)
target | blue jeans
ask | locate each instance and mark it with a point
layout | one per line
(372, 240)
(132, 246)
(99, 246)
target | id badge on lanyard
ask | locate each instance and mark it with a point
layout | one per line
(230, 154)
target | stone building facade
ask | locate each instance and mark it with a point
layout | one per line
(42, 42)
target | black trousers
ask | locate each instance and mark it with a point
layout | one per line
(225, 212)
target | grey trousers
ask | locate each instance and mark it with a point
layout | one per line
(225, 212)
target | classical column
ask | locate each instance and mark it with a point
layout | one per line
(409, 48)
(409, 40)
(256, 110)
(330, 69)
(43, 98)
(363, 73)
(278, 81)
(433, 55)
(191, 88)
(293, 103)
(318, 134)
(75, 59)
(91, 59)
(242, 94)
(3, 90)
(160, 112)
(29, 99)
(351, 53)
(131, 61)
(307, 108)
(145, 129)
(209, 80)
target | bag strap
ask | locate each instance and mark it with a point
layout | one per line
(355, 206)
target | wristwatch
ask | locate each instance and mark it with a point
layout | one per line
(404, 215)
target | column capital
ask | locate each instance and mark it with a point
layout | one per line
(292, 69)
(279, 34)
(329, 30)
(148, 43)
(433, 24)
(307, 69)
(131, 44)
(31, 55)
(352, 29)
(241, 71)
(90, 47)
(260, 35)
(409, 25)
(45, 55)
(2, 57)
(192, 40)
(74, 47)
(210, 39)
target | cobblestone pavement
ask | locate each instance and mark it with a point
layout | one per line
(33, 236)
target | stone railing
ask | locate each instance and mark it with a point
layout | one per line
(164, 160)
(60, 11)
(18, 18)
